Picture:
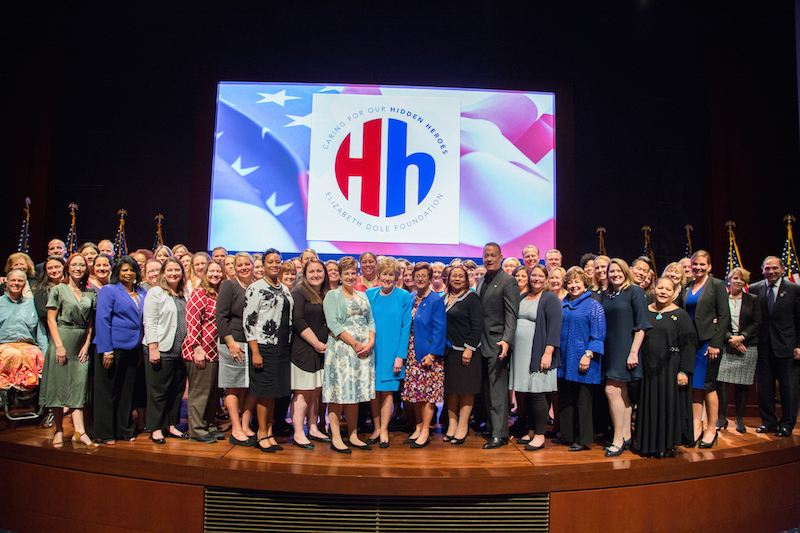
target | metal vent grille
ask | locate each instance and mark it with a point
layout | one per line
(231, 510)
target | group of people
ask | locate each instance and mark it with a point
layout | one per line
(255, 330)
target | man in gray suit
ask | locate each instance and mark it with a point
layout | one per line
(499, 294)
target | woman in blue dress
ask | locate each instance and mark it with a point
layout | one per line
(706, 301)
(583, 332)
(349, 376)
(391, 310)
(625, 307)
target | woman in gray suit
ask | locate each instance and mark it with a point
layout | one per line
(706, 300)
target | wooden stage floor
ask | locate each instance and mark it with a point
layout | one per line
(586, 479)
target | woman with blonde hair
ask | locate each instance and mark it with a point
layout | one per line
(625, 307)
(162, 253)
(391, 310)
(22, 262)
(738, 364)
(674, 271)
(555, 282)
(599, 279)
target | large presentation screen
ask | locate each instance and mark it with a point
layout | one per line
(400, 171)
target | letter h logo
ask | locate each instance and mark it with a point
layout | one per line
(368, 167)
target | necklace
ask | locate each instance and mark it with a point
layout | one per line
(613, 294)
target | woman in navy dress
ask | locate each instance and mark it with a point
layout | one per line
(625, 307)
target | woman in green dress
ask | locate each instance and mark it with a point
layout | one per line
(70, 310)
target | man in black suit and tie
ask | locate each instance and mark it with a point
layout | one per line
(499, 294)
(778, 347)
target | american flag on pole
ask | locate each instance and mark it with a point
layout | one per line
(789, 255)
(734, 261)
(648, 250)
(688, 251)
(120, 244)
(24, 234)
(72, 237)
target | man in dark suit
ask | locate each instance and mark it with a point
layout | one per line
(499, 294)
(778, 347)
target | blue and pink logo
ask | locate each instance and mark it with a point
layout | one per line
(368, 168)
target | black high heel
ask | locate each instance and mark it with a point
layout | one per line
(740, 427)
(722, 426)
(711, 444)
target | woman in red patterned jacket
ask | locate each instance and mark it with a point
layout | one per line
(199, 351)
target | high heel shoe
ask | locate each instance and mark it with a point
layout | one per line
(722, 426)
(455, 442)
(740, 427)
(627, 444)
(711, 444)
(76, 439)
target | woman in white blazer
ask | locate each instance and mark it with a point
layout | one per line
(164, 331)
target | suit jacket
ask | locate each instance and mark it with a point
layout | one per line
(430, 326)
(712, 316)
(500, 302)
(118, 322)
(780, 330)
(749, 320)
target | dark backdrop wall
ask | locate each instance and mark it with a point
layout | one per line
(666, 115)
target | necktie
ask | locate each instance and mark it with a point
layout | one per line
(771, 298)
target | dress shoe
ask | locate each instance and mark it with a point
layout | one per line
(277, 447)
(418, 446)
(522, 441)
(409, 441)
(454, 441)
(578, 448)
(783, 432)
(361, 446)
(628, 444)
(447, 438)
(706, 445)
(375, 440)
(162, 440)
(384, 444)
(496, 442)
(722, 425)
(308, 446)
(615, 451)
(531, 448)
(208, 438)
(182, 436)
(740, 427)
(764, 428)
(326, 440)
(219, 435)
(236, 442)
(258, 446)
(345, 451)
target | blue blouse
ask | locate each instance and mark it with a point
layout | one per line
(583, 328)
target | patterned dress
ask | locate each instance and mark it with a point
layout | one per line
(422, 384)
(348, 378)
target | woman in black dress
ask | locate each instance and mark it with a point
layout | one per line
(664, 416)
(462, 355)
(308, 349)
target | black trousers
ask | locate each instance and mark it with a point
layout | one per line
(768, 369)
(575, 410)
(166, 381)
(113, 395)
(538, 408)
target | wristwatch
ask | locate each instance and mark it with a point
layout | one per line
(589, 354)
